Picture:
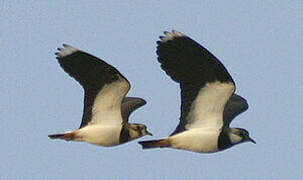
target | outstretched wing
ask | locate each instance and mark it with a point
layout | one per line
(104, 86)
(129, 105)
(205, 83)
(234, 106)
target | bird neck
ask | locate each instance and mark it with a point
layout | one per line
(124, 134)
(224, 140)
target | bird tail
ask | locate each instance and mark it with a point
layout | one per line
(160, 143)
(68, 136)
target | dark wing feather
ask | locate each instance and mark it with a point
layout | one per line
(191, 65)
(91, 72)
(234, 106)
(129, 105)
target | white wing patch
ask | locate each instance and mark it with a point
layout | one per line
(170, 35)
(107, 105)
(67, 50)
(207, 109)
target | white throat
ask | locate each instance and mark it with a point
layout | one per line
(234, 138)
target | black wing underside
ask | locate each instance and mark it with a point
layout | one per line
(91, 72)
(191, 65)
(129, 105)
(234, 106)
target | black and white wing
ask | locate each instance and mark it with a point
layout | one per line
(104, 86)
(129, 105)
(234, 106)
(205, 83)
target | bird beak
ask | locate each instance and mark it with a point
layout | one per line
(251, 140)
(148, 133)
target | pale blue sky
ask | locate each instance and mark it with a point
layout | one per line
(259, 42)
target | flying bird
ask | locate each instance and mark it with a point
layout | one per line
(208, 101)
(106, 109)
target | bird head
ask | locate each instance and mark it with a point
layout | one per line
(138, 130)
(239, 135)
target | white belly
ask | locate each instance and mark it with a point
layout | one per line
(197, 140)
(100, 134)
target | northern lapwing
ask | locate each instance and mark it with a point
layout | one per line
(208, 102)
(106, 109)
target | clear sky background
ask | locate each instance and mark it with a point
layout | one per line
(259, 42)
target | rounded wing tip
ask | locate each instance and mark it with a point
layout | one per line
(170, 36)
(65, 51)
